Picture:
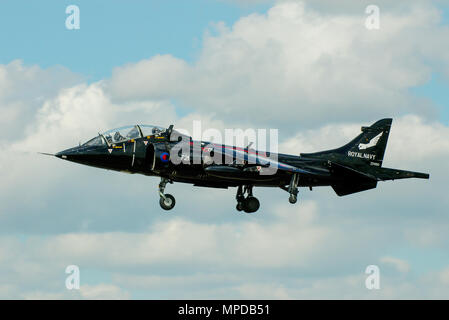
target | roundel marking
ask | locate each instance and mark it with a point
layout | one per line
(164, 157)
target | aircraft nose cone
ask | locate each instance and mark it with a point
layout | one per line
(83, 155)
(61, 155)
(66, 154)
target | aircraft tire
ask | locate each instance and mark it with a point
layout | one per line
(251, 204)
(292, 199)
(168, 203)
(239, 206)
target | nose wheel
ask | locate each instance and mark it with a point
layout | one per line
(166, 201)
(249, 204)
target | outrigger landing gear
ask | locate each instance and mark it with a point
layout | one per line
(249, 204)
(167, 201)
(293, 189)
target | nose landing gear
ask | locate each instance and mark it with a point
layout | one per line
(249, 204)
(167, 201)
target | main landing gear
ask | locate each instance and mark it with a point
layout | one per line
(167, 201)
(249, 204)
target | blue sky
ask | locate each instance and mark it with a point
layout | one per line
(436, 90)
(112, 33)
(318, 83)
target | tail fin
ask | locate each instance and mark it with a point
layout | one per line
(369, 146)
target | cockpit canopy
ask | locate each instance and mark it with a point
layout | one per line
(122, 134)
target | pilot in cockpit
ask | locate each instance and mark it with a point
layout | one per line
(108, 139)
(118, 137)
(156, 131)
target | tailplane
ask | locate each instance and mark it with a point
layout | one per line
(357, 166)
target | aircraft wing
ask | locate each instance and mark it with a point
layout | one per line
(250, 158)
(346, 171)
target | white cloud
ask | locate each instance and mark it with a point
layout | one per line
(103, 291)
(80, 112)
(412, 139)
(165, 71)
(399, 264)
(346, 6)
(244, 244)
(296, 63)
(87, 292)
(23, 89)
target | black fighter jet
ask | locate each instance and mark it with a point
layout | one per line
(164, 152)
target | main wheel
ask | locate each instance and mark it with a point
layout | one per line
(251, 205)
(168, 203)
(239, 206)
